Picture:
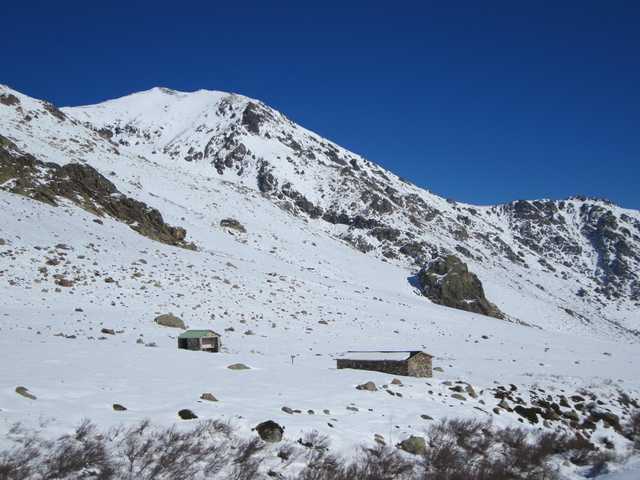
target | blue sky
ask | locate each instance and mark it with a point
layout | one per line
(482, 102)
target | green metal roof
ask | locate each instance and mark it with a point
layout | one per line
(198, 334)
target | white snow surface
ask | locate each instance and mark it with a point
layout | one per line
(288, 296)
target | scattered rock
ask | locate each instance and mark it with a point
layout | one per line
(119, 408)
(270, 431)
(186, 414)
(24, 391)
(238, 366)
(108, 331)
(571, 415)
(169, 320)
(368, 386)
(414, 445)
(471, 392)
(609, 418)
(209, 397)
(530, 413)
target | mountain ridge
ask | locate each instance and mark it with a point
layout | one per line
(578, 258)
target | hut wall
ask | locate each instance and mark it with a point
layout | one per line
(420, 366)
(394, 367)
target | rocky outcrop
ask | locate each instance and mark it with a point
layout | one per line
(616, 257)
(84, 186)
(265, 178)
(233, 224)
(447, 281)
(253, 116)
(9, 100)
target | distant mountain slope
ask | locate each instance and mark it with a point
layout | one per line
(569, 265)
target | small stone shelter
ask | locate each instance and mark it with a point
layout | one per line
(410, 363)
(204, 340)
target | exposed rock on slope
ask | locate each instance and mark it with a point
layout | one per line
(83, 185)
(448, 281)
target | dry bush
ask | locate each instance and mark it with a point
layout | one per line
(382, 463)
(245, 462)
(473, 450)
(378, 463)
(456, 450)
(632, 429)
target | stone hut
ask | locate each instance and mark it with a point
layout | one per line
(410, 363)
(204, 340)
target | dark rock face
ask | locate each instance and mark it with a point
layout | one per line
(253, 116)
(87, 188)
(447, 281)
(55, 111)
(9, 100)
(266, 180)
(615, 255)
(541, 227)
(300, 201)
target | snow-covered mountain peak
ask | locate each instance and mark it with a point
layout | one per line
(568, 264)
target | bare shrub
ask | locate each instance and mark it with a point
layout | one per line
(473, 450)
(378, 463)
(600, 464)
(83, 451)
(381, 463)
(315, 441)
(456, 450)
(632, 429)
(245, 463)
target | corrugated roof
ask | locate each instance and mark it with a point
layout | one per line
(381, 354)
(198, 334)
(376, 356)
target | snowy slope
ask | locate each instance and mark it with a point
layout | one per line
(574, 262)
(294, 284)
